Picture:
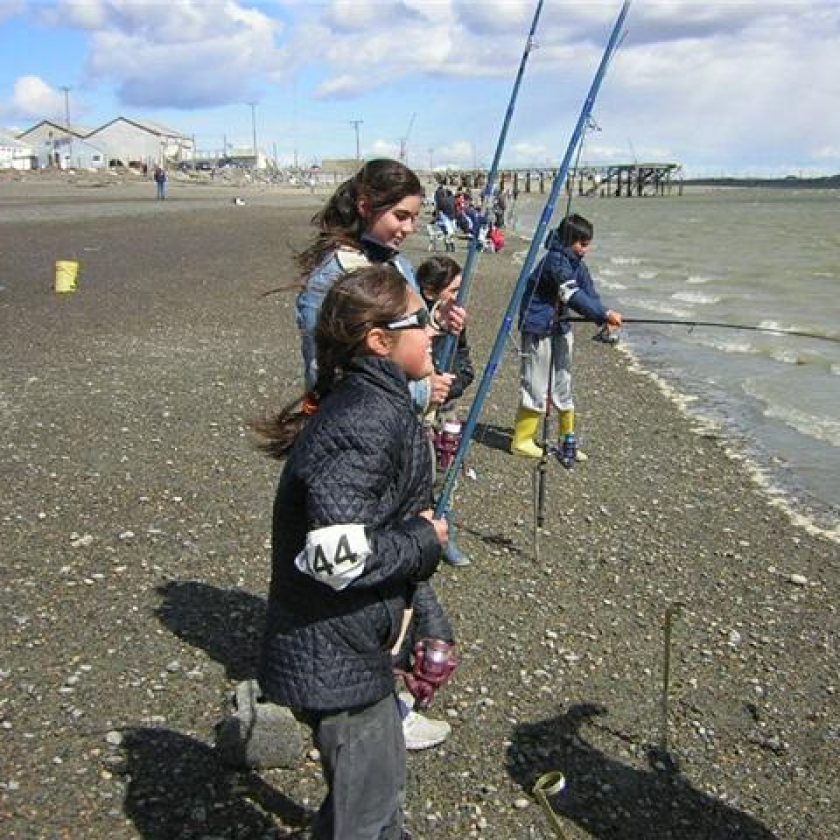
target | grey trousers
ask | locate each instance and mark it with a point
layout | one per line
(535, 364)
(363, 759)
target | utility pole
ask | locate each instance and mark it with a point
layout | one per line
(356, 124)
(66, 90)
(294, 124)
(254, 130)
(431, 160)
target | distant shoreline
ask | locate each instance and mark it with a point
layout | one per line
(831, 182)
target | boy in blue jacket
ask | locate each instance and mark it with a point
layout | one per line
(560, 283)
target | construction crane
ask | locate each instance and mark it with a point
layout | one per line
(404, 139)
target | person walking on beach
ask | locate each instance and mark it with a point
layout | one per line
(353, 540)
(440, 280)
(161, 178)
(364, 223)
(561, 282)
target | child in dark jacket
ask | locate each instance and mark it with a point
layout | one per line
(353, 544)
(439, 279)
(560, 282)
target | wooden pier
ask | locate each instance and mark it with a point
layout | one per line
(607, 180)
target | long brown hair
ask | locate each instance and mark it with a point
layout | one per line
(355, 304)
(382, 183)
(435, 274)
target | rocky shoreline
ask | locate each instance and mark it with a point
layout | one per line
(135, 565)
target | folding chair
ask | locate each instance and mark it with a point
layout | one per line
(435, 235)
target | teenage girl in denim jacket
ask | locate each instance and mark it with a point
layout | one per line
(365, 222)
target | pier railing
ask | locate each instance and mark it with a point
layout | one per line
(605, 180)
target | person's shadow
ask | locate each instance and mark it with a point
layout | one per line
(613, 800)
(226, 623)
(493, 437)
(177, 789)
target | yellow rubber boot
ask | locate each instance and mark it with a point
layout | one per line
(566, 423)
(524, 432)
(566, 426)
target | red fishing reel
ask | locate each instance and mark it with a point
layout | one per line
(434, 662)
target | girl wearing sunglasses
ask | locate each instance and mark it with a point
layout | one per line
(353, 546)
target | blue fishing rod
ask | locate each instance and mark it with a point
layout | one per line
(519, 289)
(450, 344)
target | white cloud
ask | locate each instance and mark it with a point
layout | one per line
(345, 86)
(10, 9)
(493, 17)
(527, 153)
(183, 54)
(33, 98)
(383, 148)
(725, 87)
(694, 80)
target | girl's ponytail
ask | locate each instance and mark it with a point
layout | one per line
(354, 305)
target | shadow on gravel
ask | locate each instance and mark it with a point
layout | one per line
(607, 798)
(495, 540)
(177, 789)
(493, 437)
(226, 623)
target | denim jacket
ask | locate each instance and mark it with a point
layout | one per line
(320, 281)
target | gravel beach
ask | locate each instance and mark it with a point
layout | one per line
(135, 532)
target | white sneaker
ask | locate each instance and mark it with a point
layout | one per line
(422, 733)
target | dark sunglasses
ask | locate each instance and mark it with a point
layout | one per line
(418, 320)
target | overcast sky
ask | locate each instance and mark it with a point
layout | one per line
(719, 86)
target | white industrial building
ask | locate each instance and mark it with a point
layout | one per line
(60, 145)
(133, 142)
(16, 155)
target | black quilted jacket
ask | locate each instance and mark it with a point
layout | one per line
(363, 458)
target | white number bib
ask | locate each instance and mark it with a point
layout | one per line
(335, 555)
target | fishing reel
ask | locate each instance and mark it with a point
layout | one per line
(434, 662)
(607, 336)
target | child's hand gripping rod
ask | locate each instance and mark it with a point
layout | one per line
(450, 344)
(519, 289)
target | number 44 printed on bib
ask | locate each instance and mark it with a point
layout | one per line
(335, 555)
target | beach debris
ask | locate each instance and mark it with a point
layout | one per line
(238, 201)
(798, 580)
(114, 738)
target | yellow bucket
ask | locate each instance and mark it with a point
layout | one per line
(66, 274)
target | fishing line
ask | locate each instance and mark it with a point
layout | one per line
(682, 322)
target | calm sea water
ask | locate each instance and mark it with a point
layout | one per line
(768, 257)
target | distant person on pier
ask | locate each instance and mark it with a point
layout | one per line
(500, 207)
(560, 284)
